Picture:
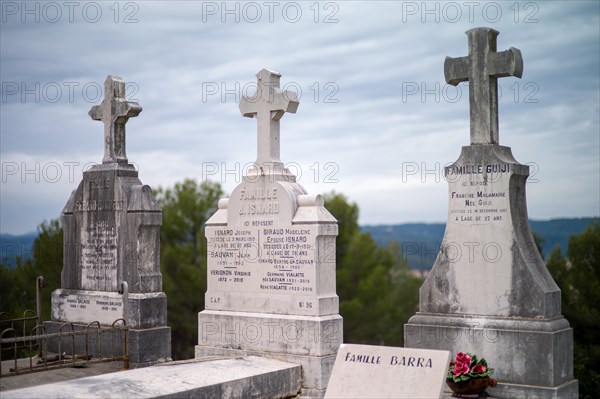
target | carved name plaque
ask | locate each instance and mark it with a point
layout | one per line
(365, 371)
(88, 306)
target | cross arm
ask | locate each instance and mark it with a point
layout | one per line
(248, 107)
(96, 113)
(456, 70)
(506, 63)
(286, 102)
(129, 109)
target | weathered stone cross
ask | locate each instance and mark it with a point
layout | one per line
(114, 112)
(482, 68)
(268, 105)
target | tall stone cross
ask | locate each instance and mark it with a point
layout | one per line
(114, 112)
(268, 105)
(482, 68)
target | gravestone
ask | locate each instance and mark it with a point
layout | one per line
(271, 260)
(489, 292)
(111, 223)
(366, 371)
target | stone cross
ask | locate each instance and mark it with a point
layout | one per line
(268, 105)
(114, 112)
(482, 68)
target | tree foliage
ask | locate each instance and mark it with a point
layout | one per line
(18, 285)
(186, 207)
(377, 292)
(579, 280)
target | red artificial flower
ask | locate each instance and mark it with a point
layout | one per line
(460, 368)
(479, 369)
(463, 358)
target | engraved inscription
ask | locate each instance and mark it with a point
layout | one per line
(262, 259)
(479, 193)
(99, 257)
(103, 309)
(258, 201)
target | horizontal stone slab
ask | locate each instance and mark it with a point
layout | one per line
(283, 334)
(237, 377)
(315, 369)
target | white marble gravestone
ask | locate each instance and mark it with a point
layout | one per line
(489, 291)
(111, 267)
(271, 260)
(366, 371)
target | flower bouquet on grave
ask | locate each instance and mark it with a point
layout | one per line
(468, 375)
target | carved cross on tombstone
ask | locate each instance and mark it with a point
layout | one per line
(482, 68)
(114, 112)
(268, 105)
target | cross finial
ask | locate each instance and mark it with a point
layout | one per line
(268, 106)
(482, 68)
(114, 112)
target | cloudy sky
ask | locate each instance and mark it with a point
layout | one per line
(376, 120)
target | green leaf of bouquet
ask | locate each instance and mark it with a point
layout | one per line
(464, 377)
(456, 379)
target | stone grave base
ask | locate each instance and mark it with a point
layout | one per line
(146, 347)
(139, 310)
(532, 358)
(145, 315)
(310, 341)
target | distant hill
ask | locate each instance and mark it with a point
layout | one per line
(12, 246)
(420, 242)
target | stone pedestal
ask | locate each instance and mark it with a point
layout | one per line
(532, 358)
(271, 261)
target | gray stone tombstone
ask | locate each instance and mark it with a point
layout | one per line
(489, 291)
(111, 223)
(271, 260)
